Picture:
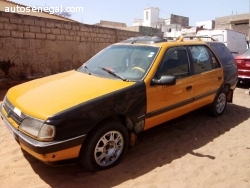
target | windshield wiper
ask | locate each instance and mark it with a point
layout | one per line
(113, 73)
(87, 70)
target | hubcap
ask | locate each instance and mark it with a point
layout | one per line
(221, 102)
(108, 148)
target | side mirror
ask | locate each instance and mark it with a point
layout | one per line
(164, 80)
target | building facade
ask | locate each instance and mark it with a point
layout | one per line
(239, 22)
(170, 27)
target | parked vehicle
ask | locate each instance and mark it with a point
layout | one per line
(234, 40)
(243, 63)
(91, 113)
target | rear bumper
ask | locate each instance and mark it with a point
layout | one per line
(44, 151)
(243, 74)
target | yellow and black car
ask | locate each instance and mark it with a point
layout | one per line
(90, 113)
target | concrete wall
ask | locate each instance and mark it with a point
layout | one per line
(110, 24)
(150, 31)
(176, 19)
(32, 47)
(209, 24)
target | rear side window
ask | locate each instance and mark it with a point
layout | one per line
(223, 53)
(203, 59)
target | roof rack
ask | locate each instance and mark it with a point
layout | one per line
(158, 39)
(145, 40)
(193, 37)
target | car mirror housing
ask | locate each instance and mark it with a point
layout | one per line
(164, 80)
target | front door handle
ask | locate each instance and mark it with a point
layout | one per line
(219, 78)
(188, 87)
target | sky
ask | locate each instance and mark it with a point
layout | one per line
(126, 10)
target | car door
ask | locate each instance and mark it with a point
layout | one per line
(207, 75)
(165, 102)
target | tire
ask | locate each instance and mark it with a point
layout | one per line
(105, 146)
(219, 104)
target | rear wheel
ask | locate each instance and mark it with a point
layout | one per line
(105, 147)
(220, 103)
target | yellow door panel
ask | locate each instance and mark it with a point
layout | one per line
(167, 102)
(205, 87)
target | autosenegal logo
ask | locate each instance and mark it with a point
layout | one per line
(50, 10)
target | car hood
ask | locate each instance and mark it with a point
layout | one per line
(41, 98)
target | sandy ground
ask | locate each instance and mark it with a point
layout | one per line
(193, 151)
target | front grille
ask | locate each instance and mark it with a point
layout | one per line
(10, 112)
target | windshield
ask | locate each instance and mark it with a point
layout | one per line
(125, 62)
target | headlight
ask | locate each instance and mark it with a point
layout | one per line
(38, 129)
(47, 132)
(31, 126)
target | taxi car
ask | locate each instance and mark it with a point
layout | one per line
(90, 114)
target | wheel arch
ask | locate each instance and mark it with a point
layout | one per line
(126, 121)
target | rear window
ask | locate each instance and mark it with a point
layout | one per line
(223, 53)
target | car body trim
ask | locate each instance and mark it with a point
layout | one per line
(205, 95)
(169, 108)
(180, 104)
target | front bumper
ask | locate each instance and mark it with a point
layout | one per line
(44, 151)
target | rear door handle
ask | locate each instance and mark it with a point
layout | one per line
(219, 78)
(188, 87)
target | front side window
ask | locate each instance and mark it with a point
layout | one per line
(175, 63)
(126, 62)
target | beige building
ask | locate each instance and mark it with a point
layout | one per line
(9, 6)
(239, 22)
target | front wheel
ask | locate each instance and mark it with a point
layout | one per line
(104, 147)
(220, 103)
